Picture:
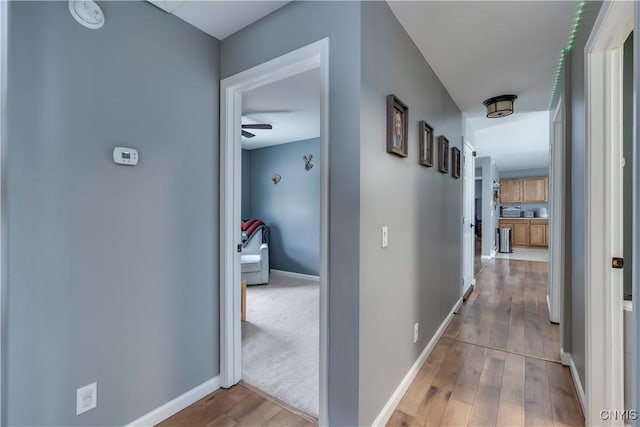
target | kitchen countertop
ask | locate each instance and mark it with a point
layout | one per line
(521, 218)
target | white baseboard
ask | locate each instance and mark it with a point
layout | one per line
(576, 381)
(486, 257)
(494, 253)
(390, 406)
(295, 275)
(565, 358)
(163, 412)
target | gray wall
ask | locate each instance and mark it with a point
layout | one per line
(627, 123)
(418, 277)
(113, 269)
(572, 88)
(522, 173)
(246, 185)
(291, 208)
(291, 27)
(636, 209)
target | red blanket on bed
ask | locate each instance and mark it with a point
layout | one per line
(250, 226)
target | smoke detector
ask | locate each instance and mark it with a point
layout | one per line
(87, 13)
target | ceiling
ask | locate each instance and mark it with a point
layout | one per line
(291, 106)
(518, 141)
(480, 49)
(219, 18)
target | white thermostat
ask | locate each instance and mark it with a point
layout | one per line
(125, 156)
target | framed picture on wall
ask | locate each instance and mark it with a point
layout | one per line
(425, 138)
(443, 154)
(455, 162)
(397, 126)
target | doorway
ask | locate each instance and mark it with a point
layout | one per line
(280, 257)
(604, 215)
(468, 219)
(314, 56)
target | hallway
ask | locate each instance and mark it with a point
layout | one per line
(498, 361)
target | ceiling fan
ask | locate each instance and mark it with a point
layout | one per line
(254, 126)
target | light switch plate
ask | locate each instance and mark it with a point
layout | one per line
(385, 236)
(86, 398)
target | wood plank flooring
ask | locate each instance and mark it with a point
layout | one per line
(497, 363)
(237, 406)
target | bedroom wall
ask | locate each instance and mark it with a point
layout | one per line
(113, 270)
(292, 207)
(246, 185)
(293, 26)
(417, 278)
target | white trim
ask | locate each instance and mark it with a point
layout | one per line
(604, 373)
(565, 358)
(491, 256)
(315, 55)
(577, 383)
(176, 405)
(386, 412)
(555, 298)
(295, 275)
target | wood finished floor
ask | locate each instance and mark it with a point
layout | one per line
(496, 364)
(237, 406)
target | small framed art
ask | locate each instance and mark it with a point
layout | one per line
(455, 162)
(443, 154)
(397, 126)
(425, 142)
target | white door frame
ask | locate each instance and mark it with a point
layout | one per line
(604, 287)
(313, 56)
(555, 298)
(4, 62)
(467, 222)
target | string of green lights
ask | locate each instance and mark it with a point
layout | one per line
(565, 50)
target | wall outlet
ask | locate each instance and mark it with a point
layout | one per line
(385, 236)
(86, 398)
(415, 332)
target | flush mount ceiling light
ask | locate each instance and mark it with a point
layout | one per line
(87, 13)
(499, 106)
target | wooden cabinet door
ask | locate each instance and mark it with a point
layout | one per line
(538, 235)
(535, 190)
(520, 233)
(510, 191)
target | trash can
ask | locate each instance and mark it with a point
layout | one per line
(504, 240)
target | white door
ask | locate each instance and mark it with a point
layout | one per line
(468, 217)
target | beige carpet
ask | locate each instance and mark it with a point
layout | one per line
(280, 341)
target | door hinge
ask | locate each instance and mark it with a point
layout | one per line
(474, 154)
(617, 262)
(239, 248)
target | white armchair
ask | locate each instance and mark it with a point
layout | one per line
(254, 260)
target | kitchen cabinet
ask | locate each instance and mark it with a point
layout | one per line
(535, 189)
(527, 232)
(538, 233)
(525, 190)
(510, 191)
(520, 234)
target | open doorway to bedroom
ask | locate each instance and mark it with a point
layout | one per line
(280, 257)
